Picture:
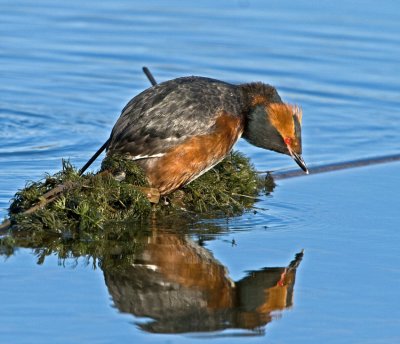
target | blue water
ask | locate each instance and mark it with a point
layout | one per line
(68, 68)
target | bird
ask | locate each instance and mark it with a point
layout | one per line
(179, 129)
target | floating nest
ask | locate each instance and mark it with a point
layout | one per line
(85, 204)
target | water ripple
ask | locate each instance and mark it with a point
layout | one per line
(64, 84)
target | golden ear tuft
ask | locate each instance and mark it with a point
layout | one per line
(279, 113)
(281, 117)
(297, 111)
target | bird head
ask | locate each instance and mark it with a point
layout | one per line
(276, 126)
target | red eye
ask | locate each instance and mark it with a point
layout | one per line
(288, 141)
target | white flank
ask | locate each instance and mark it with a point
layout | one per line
(138, 157)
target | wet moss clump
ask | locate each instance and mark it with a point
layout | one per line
(230, 187)
(86, 202)
(118, 192)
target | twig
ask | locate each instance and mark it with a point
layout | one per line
(284, 174)
(5, 226)
(153, 82)
(246, 196)
(53, 194)
(94, 157)
(47, 198)
(149, 76)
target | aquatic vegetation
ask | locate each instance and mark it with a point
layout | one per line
(85, 204)
(230, 187)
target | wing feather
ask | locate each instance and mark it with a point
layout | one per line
(169, 113)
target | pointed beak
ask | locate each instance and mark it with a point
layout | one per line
(299, 160)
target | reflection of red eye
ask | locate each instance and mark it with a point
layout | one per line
(288, 141)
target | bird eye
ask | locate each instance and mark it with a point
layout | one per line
(288, 141)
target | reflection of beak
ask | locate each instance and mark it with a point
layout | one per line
(299, 160)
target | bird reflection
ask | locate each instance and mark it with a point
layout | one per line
(183, 288)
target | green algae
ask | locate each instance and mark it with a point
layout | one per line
(230, 187)
(85, 205)
(91, 201)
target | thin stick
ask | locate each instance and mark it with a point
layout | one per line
(153, 82)
(149, 76)
(246, 196)
(336, 166)
(94, 157)
(47, 198)
(5, 226)
(52, 195)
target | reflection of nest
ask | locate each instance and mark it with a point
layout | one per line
(184, 289)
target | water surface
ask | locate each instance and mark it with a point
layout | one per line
(66, 71)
